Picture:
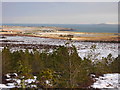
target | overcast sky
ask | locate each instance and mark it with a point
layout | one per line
(60, 12)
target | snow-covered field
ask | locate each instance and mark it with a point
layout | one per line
(82, 47)
(108, 81)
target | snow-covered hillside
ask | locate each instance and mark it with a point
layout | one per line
(82, 47)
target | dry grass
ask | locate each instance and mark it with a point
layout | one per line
(95, 37)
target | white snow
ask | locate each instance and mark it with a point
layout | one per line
(3, 86)
(11, 85)
(107, 81)
(82, 47)
(16, 82)
(30, 80)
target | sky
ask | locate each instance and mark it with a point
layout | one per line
(60, 12)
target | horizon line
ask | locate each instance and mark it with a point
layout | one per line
(59, 23)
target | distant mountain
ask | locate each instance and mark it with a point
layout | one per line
(102, 23)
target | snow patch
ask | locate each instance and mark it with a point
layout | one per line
(108, 81)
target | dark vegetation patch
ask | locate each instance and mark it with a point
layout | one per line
(28, 46)
(63, 67)
(10, 41)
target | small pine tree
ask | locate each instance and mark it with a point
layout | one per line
(6, 60)
(24, 73)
